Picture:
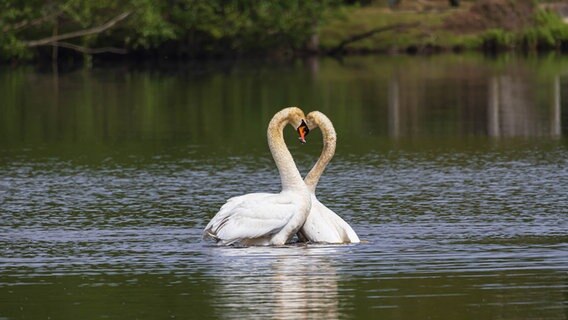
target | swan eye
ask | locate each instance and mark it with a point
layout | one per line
(303, 131)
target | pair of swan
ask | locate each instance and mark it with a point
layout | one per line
(274, 219)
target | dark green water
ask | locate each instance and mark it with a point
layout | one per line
(452, 169)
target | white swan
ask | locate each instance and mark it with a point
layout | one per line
(322, 224)
(267, 218)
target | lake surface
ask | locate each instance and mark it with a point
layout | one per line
(453, 170)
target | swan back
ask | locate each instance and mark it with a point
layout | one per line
(325, 226)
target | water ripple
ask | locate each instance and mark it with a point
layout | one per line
(479, 229)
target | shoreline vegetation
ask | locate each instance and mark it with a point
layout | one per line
(82, 30)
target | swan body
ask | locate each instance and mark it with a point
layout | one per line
(322, 224)
(267, 218)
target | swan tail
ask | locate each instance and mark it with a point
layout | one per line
(207, 234)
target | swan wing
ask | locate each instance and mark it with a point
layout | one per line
(343, 228)
(324, 225)
(251, 216)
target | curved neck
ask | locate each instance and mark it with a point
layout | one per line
(329, 142)
(289, 174)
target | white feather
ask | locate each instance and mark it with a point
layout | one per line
(255, 219)
(324, 225)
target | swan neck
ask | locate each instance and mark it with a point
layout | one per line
(289, 174)
(329, 144)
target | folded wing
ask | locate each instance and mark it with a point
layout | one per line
(325, 226)
(249, 218)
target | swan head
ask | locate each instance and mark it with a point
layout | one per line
(297, 119)
(314, 118)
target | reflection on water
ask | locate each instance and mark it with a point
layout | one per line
(452, 169)
(367, 98)
(514, 103)
(286, 283)
(512, 113)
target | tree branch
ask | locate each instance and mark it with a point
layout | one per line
(80, 33)
(30, 23)
(87, 50)
(341, 46)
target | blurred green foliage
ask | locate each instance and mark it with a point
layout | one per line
(212, 28)
(548, 33)
(180, 27)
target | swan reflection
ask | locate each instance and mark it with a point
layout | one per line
(292, 282)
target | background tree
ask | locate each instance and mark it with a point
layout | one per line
(182, 27)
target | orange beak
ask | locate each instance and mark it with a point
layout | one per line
(303, 131)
